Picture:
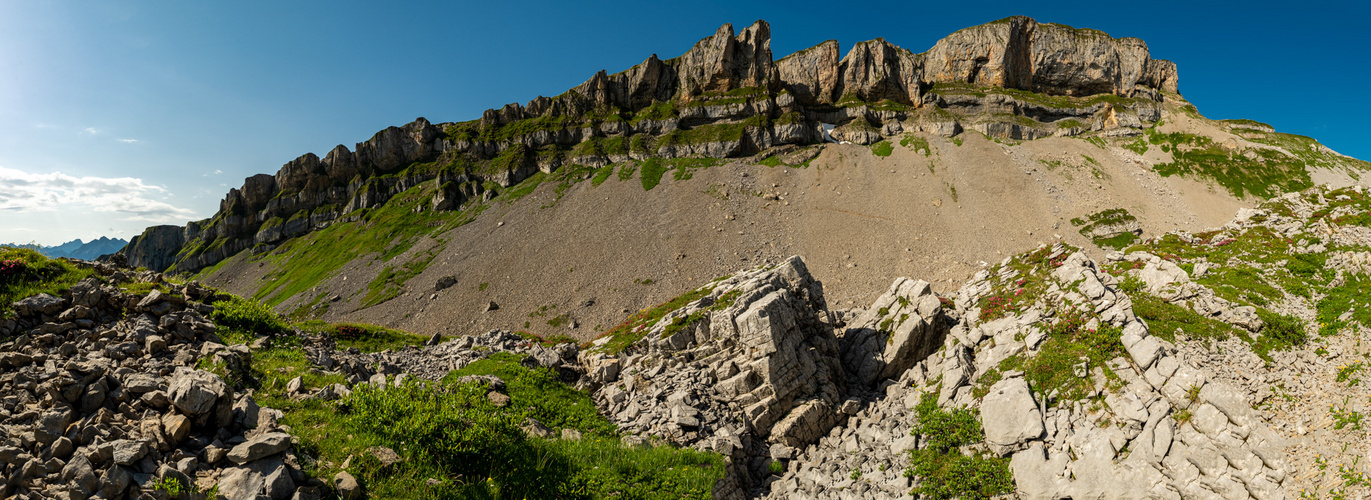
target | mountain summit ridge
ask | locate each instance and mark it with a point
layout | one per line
(725, 97)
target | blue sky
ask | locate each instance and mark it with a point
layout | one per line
(118, 115)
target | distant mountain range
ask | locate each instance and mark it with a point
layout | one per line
(78, 249)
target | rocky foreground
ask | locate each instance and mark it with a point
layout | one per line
(1070, 389)
(101, 397)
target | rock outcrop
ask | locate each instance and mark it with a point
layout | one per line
(725, 97)
(754, 370)
(1018, 52)
(156, 248)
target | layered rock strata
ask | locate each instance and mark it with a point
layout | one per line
(725, 97)
(754, 370)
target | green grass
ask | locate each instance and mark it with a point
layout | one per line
(601, 175)
(627, 170)
(1121, 240)
(1111, 217)
(456, 444)
(523, 188)
(1164, 318)
(683, 168)
(386, 232)
(25, 272)
(1244, 121)
(391, 281)
(652, 171)
(1070, 123)
(1028, 284)
(635, 327)
(455, 429)
(683, 321)
(1198, 156)
(658, 110)
(364, 336)
(537, 393)
(1354, 296)
(1055, 101)
(1051, 369)
(882, 148)
(244, 319)
(706, 133)
(1139, 146)
(917, 143)
(941, 468)
(1260, 268)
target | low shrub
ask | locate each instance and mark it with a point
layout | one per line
(883, 148)
(363, 336)
(941, 469)
(248, 316)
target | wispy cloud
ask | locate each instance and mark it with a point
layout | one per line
(91, 130)
(128, 198)
(130, 141)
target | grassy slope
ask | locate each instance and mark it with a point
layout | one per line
(25, 272)
(452, 440)
(1265, 269)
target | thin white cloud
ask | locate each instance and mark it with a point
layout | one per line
(130, 141)
(127, 198)
(91, 130)
(217, 171)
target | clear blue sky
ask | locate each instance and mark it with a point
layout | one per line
(118, 115)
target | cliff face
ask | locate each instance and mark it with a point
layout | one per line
(155, 248)
(725, 97)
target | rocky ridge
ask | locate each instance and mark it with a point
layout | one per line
(725, 97)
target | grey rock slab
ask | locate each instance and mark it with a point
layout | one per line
(114, 481)
(1145, 351)
(139, 383)
(260, 446)
(127, 451)
(1010, 416)
(246, 411)
(1209, 420)
(195, 392)
(79, 474)
(39, 304)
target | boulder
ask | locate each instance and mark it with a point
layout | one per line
(39, 305)
(444, 283)
(195, 392)
(347, 486)
(1010, 416)
(259, 447)
(262, 478)
(901, 328)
